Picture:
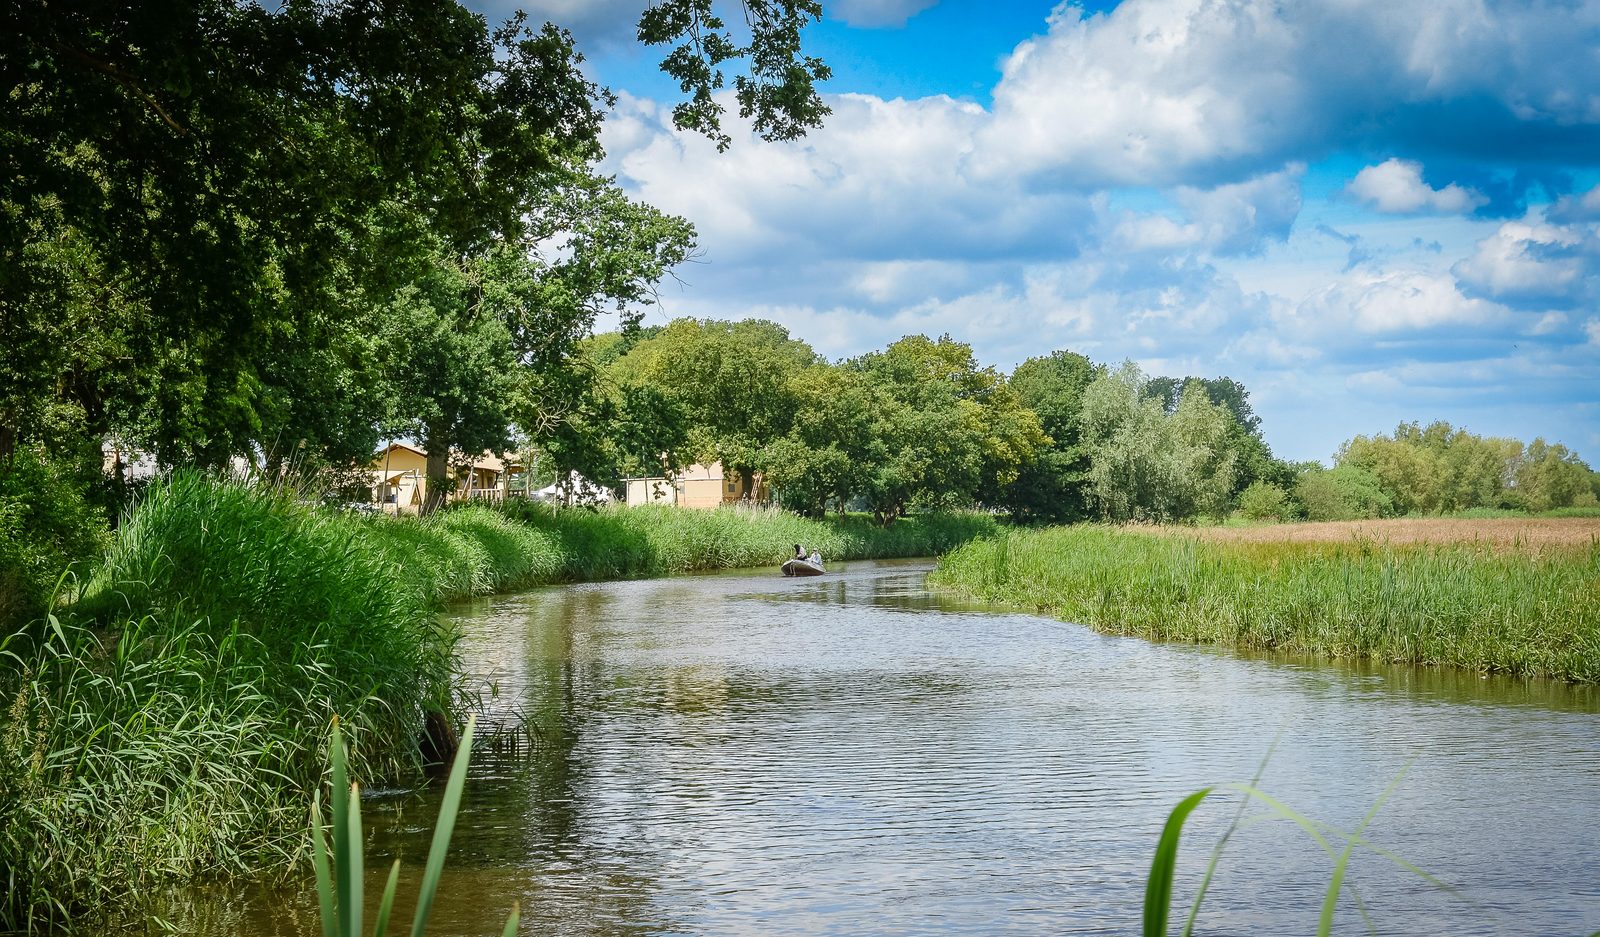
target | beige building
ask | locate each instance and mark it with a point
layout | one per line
(400, 479)
(698, 486)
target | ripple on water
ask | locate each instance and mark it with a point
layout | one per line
(744, 754)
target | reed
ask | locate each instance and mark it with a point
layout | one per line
(1524, 612)
(166, 724)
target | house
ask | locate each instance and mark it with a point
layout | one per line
(698, 486)
(400, 478)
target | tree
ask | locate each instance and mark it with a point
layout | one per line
(1052, 487)
(1347, 492)
(965, 432)
(1551, 476)
(451, 360)
(232, 174)
(1147, 465)
(839, 439)
(734, 381)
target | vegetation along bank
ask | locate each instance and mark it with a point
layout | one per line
(171, 721)
(1522, 608)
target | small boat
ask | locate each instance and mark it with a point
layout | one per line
(802, 566)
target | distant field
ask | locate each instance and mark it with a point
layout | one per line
(1519, 533)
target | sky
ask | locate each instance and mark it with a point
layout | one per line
(1366, 211)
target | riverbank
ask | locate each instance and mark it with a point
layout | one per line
(172, 721)
(1479, 606)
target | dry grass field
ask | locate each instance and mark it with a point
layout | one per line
(1531, 534)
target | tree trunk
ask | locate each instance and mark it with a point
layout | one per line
(438, 472)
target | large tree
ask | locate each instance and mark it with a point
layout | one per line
(963, 433)
(234, 193)
(732, 379)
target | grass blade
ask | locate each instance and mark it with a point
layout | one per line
(387, 904)
(340, 797)
(354, 890)
(1325, 922)
(1216, 852)
(319, 861)
(442, 832)
(1158, 891)
(512, 919)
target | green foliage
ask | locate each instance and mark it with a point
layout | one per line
(954, 432)
(1265, 501)
(1552, 476)
(278, 230)
(1438, 468)
(731, 379)
(1052, 487)
(1462, 605)
(1148, 465)
(157, 728)
(47, 526)
(1348, 492)
(779, 90)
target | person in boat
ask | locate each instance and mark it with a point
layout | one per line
(799, 552)
(815, 559)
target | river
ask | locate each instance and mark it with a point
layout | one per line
(739, 753)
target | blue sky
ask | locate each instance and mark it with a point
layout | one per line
(1367, 212)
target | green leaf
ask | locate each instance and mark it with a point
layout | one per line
(1158, 890)
(442, 832)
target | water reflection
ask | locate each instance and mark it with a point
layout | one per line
(739, 753)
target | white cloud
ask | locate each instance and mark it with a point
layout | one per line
(1161, 92)
(1576, 208)
(1396, 302)
(1530, 263)
(1395, 186)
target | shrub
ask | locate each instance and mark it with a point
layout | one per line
(1265, 501)
(1345, 493)
(47, 525)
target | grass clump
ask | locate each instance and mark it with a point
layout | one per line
(168, 724)
(655, 540)
(1463, 605)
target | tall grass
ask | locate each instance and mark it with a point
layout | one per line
(1461, 605)
(169, 723)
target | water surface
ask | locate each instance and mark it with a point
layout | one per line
(744, 754)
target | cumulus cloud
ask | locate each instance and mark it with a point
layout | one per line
(1137, 188)
(1196, 92)
(1395, 186)
(1393, 302)
(883, 180)
(1535, 265)
(1576, 208)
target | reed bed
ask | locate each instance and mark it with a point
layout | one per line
(1500, 532)
(1469, 605)
(171, 722)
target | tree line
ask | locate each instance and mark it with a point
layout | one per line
(922, 425)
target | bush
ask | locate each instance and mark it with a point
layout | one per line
(47, 525)
(1265, 501)
(1341, 494)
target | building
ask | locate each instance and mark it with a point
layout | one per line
(400, 478)
(698, 486)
